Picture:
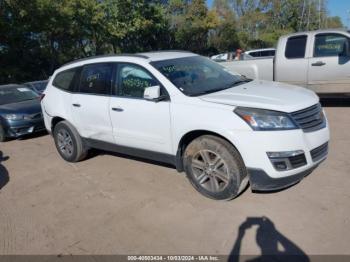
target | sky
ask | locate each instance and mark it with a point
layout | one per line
(339, 8)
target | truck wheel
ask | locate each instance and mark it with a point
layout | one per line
(215, 168)
(68, 142)
(2, 134)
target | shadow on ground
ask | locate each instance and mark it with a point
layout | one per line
(29, 136)
(273, 244)
(335, 100)
(34, 135)
(4, 175)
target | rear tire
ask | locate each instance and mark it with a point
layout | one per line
(2, 134)
(68, 142)
(215, 168)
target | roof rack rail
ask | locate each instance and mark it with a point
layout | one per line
(102, 56)
(169, 50)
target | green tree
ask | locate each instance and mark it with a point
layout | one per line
(190, 22)
(224, 36)
(38, 36)
(261, 23)
(333, 22)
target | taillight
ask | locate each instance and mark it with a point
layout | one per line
(41, 97)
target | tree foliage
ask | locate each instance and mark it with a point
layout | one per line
(37, 36)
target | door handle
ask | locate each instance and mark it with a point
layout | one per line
(76, 105)
(318, 63)
(117, 109)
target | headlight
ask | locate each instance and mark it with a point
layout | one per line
(264, 120)
(13, 117)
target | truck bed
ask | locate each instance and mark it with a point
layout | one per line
(258, 68)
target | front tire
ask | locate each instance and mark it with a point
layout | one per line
(68, 142)
(215, 168)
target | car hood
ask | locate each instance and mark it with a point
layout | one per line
(25, 107)
(265, 95)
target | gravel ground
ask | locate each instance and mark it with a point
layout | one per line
(110, 204)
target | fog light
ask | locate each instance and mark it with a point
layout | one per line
(280, 165)
(287, 160)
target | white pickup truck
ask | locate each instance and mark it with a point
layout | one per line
(319, 60)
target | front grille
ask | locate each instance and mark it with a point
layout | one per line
(310, 119)
(297, 161)
(319, 152)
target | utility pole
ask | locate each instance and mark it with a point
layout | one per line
(308, 15)
(319, 14)
(302, 16)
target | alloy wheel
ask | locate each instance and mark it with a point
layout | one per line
(65, 143)
(210, 171)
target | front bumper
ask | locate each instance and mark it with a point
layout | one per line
(263, 175)
(260, 181)
(17, 128)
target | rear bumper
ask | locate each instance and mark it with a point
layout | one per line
(19, 128)
(260, 181)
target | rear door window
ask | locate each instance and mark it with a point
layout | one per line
(96, 79)
(296, 47)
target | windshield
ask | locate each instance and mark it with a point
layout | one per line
(197, 75)
(16, 94)
(40, 86)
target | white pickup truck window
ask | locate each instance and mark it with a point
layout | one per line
(296, 47)
(329, 45)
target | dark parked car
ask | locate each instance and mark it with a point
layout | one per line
(20, 111)
(37, 86)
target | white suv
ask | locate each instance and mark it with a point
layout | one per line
(222, 129)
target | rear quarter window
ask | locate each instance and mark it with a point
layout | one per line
(267, 53)
(255, 54)
(65, 80)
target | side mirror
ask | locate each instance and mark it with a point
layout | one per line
(346, 49)
(152, 93)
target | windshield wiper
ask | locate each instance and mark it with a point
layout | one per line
(244, 80)
(208, 92)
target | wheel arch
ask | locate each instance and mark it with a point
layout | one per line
(187, 138)
(55, 120)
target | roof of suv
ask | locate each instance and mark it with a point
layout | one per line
(151, 56)
(165, 55)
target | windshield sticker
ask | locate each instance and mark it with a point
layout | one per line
(23, 89)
